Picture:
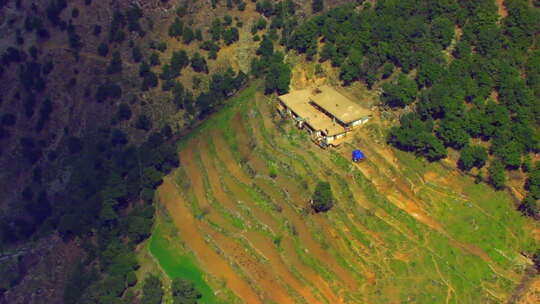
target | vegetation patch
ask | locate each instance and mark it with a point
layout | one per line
(179, 265)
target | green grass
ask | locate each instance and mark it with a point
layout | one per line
(179, 265)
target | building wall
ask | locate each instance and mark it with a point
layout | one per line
(359, 122)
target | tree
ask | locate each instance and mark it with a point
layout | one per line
(416, 135)
(215, 29)
(74, 144)
(143, 68)
(73, 38)
(351, 70)
(401, 93)
(317, 6)
(442, 29)
(529, 205)
(150, 80)
(323, 199)
(241, 6)
(266, 48)
(124, 112)
(179, 60)
(108, 90)
(388, 69)
(103, 49)
(431, 147)
(536, 256)
(152, 290)
(154, 59)
(497, 177)
(115, 66)
(230, 35)
(265, 7)
(452, 132)
(429, 73)
(227, 20)
(118, 137)
(176, 28)
(139, 227)
(188, 35)
(260, 25)
(8, 119)
(472, 156)
(328, 51)
(198, 63)
(131, 279)
(509, 152)
(108, 214)
(136, 54)
(198, 35)
(143, 123)
(184, 292)
(278, 78)
(161, 46)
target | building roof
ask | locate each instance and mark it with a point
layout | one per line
(338, 105)
(298, 102)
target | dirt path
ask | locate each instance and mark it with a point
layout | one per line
(209, 259)
(503, 12)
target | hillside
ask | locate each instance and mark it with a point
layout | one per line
(402, 229)
(143, 160)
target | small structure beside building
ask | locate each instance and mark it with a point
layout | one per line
(324, 112)
(358, 156)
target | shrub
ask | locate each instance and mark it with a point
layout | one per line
(8, 120)
(115, 65)
(317, 6)
(162, 46)
(143, 123)
(497, 177)
(103, 49)
(136, 54)
(154, 59)
(124, 112)
(323, 200)
(108, 90)
(176, 28)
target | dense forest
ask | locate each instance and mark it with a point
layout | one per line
(468, 79)
(107, 202)
(463, 79)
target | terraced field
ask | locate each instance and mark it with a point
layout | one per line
(402, 231)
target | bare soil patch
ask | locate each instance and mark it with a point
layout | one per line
(187, 226)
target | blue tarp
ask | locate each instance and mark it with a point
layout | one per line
(357, 155)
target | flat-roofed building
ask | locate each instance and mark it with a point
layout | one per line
(327, 114)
